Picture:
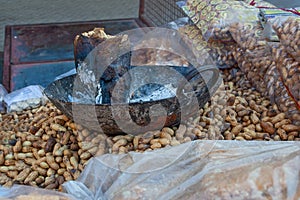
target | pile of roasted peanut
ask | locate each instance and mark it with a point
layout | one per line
(288, 32)
(42, 147)
(254, 115)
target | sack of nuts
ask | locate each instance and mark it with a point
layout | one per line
(222, 53)
(289, 70)
(259, 61)
(142, 55)
(288, 31)
(250, 170)
(219, 53)
(248, 35)
(285, 103)
(270, 78)
(252, 54)
(157, 51)
(161, 46)
(281, 93)
(25, 98)
(254, 64)
(194, 40)
(213, 17)
(261, 67)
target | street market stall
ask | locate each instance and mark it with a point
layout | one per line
(210, 109)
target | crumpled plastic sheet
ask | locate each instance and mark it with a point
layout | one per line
(195, 170)
(25, 98)
(288, 30)
(161, 48)
(3, 92)
(24, 192)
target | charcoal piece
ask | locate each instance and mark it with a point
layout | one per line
(112, 76)
(86, 42)
(109, 58)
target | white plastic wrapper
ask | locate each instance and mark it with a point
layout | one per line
(178, 23)
(25, 98)
(3, 92)
(195, 170)
(22, 192)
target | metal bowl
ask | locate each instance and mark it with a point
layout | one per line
(136, 117)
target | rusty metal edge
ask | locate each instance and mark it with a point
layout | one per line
(73, 23)
(6, 58)
(1, 65)
(137, 21)
(142, 7)
(142, 16)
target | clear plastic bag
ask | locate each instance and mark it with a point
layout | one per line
(208, 52)
(254, 64)
(278, 91)
(289, 70)
(22, 192)
(222, 53)
(248, 35)
(25, 98)
(267, 17)
(191, 38)
(163, 53)
(261, 69)
(3, 92)
(178, 23)
(288, 31)
(142, 55)
(271, 78)
(260, 60)
(213, 17)
(286, 103)
(195, 170)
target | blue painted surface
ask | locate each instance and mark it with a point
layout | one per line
(48, 43)
(40, 53)
(38, 74)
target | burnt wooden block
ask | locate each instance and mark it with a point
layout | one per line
(108, 57)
